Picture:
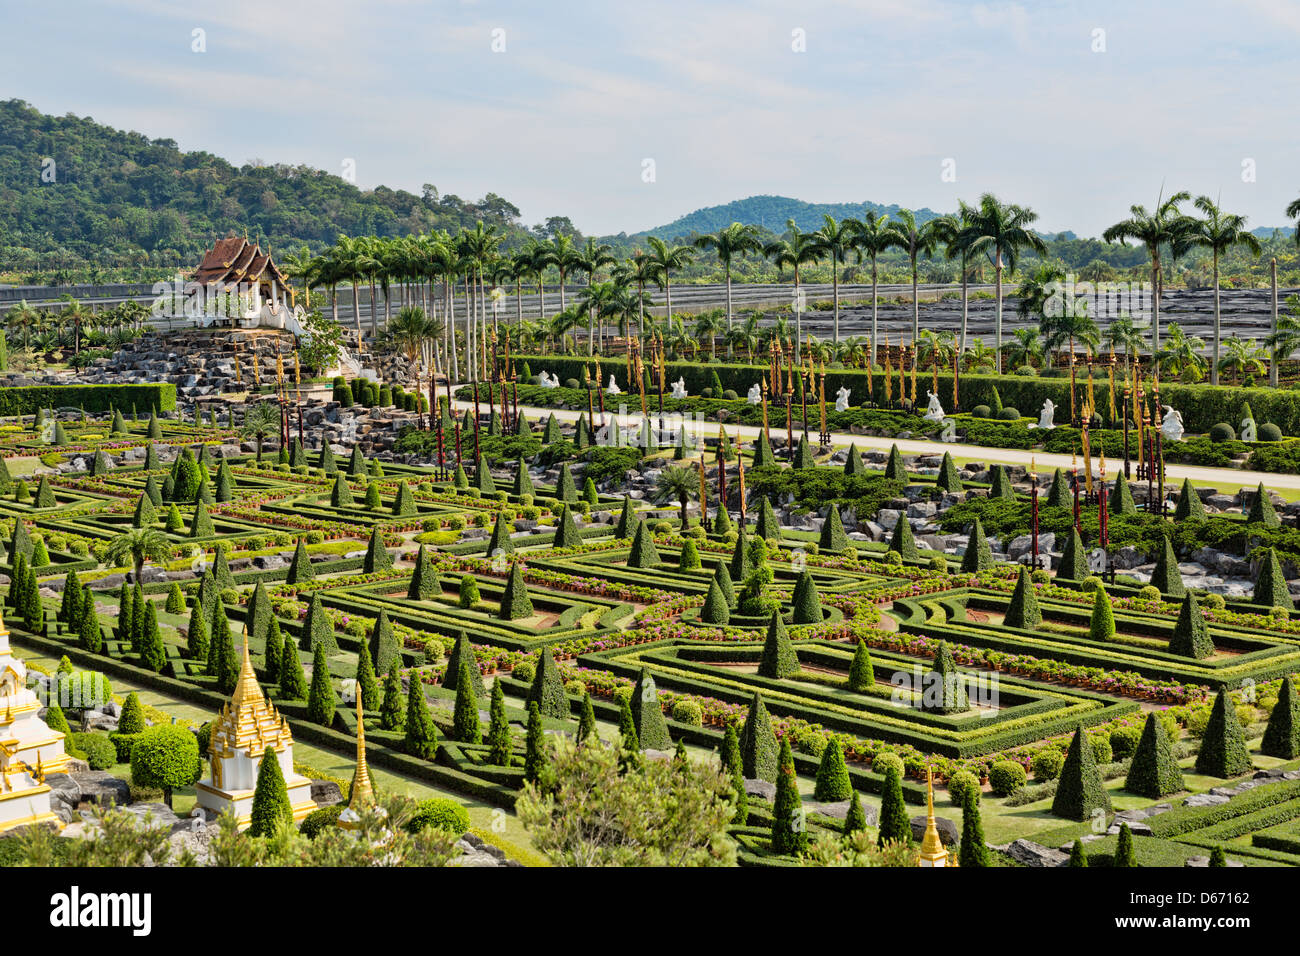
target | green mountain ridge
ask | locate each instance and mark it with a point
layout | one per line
(771, 212)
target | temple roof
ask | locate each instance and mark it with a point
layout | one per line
(249, 722)
(233, 260)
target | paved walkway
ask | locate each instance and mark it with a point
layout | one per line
(1228, 478)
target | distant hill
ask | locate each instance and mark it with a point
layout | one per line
(771, 212)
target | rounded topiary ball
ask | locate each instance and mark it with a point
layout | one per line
(571, 383)
(1028, 371)
(1006, 777)
(1269, 432)
(1009, 414)
(883, 761)
(960, 784)
(730, 395)
(1047, 764)
(440, 813)
(981, 411)
(1124, 740)
(1149, 593)
(1222, 432)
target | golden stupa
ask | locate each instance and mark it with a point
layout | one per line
(932, 851)
(363, 791)
(29, 749)
(247, 725)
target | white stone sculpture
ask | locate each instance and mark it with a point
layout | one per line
(679, 388)
(1046, 416)
(842, 400)
(613, 387)
(1172, 425)
(934, 411)
(755, 396)
(549, 381)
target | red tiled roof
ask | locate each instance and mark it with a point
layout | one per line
(235, 260)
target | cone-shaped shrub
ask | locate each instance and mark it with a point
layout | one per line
(499, 542)
(1270, 586)
(392, 712)
(803, 456)
(483, 477)
(853, 463)
(1079, 789)
(721, 522)
(723, 577)
(807, 600)
(779, 659)
(197, 643)
(1223, 746)
(715, 610)
(465, 722)
(902, 542)
(1166, 576)
(978, 556)
(326, 461)
(152, 491)
(768, 526)
(627, 520)
(1077, 855)
(1101, 627)
(763, 455)
(201, 523)
(293, 681)
(1153, 771)
(227, 661)
(462, 655)
(341, 493)
(300, 568)
(948, 693)
(317, 628)
(367, 684)
(1000, 485)
(257, 617)
(732, 765)
(566, 531)
(974, 851)
(894, 825)
(648, 715)
(271, 808)
(534, 747)
(643, 554)
(552, 432)
(789, 834)
(1190, 507)
(221, 574)
(1124, 848)
(833, 540)
(1282, 735)
(145, 514)
(688, 559)
(1191, 636)
(861, 672)
(1074, 562)
(523, 481)
(515, 603)
(373, 501)
(855, 820)
(404, 502)
(423, 581)
(273, 652)
(758, 749)
(1023, 611)
(377, 556)
(832, 775)
(740, 563)
(1261, 510)
(45, 494)
(421, 737)
(949, 478)
(153, 656)
(894, 468)
(385, 648)
(89, 634)
(547, 689)
(565, 489)
(1058, 493)
(1121, 499)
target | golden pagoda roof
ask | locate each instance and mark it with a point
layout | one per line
(249, 722)
(932, 851)
(363, 792)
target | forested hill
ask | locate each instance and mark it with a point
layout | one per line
(771, 212)
(112, 193)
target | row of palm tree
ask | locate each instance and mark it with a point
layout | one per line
(70, 323)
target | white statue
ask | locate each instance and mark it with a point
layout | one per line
(679, 388)
(1172, 425)
(842, 400)
(934, 412)
(755, 395)
(613, 387)
(1046, 416)
(549, 381)
(1248, 429)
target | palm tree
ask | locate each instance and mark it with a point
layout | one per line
(259, 421)
(640, 269)
(1024, 347)
(915, 241)
(667, 258)
(977, 354)
(1285, 340)
(23, 316)
(875, 234)
(542, 255)
(678, 483)
(594, 256)
(1000, 230)
(835, 240)
(746, 336)
(1243, 356)
(799, 250)
(348, 253)
(735, 240)
(950, 231)
(565, 257)
(1181, 351)
(304, 267)
(710, 323)
(1293, 212)
(1126, 334)
(138, 545)
(1153, 230)
(1219, 232)
(935, 348)
(75, 315)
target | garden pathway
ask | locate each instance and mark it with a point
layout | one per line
(1227, 479)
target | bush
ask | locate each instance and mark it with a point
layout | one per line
(439, 813)
(1269, 432)
(960, 784)
(524, 671)
(688, 712)
(1149, 593)
(1047, 764)
(1222, 432)
(1090, 584)
(981, 411)
(1009, 414)
(883, 761)
(98, 749)
(1215, 602)
(319, 820)
(1006, 777)
(1124, 740)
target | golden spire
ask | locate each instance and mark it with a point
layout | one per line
(932, 851)
(247, 690)
(363, 793)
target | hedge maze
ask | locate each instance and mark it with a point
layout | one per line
(474, 615)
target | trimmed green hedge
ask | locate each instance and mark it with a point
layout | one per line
(26, 399)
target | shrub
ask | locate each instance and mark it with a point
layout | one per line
(439, 813)
(1154, 773)
(1269, 432)
(97, 749)
(960, 784)
(1149, 593)
(1047, 764)
(981, 411)
(1222, 432)
(1006, 777)
(524, 671)
(1009, 414)
(1124, 741)
(688, 712)
(884, 762)
(319, 820)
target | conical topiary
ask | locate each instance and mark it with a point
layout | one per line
(648, 715)
(547, 689)
(1190, 507)
(1023, 611)
(832, 539)
(789, 833)
(1058, 493)
(1074, 561)
(779, 659)
(1166, 576)
(949, 478)
(462, 655)
(1121, 499)
(1079, 789)
(832, 775)
(715, 610)
(1282, 735)
(758, 750)
(902, 542)
(861, 671)
(1270, 586)
(643, 553)
(895, 470)
(978, 556)
(1223, 745)
(1191, 636)
(515, 602)
(1153, 771)
(1262, 511)
(1000, 484)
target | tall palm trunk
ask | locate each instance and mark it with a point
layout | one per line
(916, 304)
(875, 311)
(374, 309)
(997, 330)
(1214, 366)
(1155, 304)
(835, 294)
(1272, 355)
(356, 312)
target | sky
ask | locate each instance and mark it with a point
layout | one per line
(624, 116)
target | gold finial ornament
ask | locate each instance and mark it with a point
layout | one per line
(363, 793)
(932, 851)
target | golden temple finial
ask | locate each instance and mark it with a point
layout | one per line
(932, 851)
(40, 770)
(363, 793)
(247, 690)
